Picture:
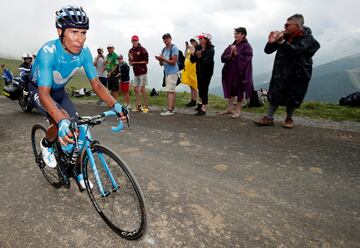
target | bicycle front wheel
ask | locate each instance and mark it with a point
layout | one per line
(116, 196)
(53, 176)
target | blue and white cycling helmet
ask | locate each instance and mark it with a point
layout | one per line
(71, 16)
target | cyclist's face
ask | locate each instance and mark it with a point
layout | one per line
(74, 39)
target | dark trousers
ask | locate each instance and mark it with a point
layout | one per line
(203, 86)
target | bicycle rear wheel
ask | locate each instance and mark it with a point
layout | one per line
(53, 176)
(123, 209)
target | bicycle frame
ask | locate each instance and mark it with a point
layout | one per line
(84, 142)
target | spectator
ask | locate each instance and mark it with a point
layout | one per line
(100, 65)
(295, 47)
(111, 64)
(123, 71)
(204, 58)
(188, 76)
(168, 59)
(25, 70)
(7, 74)
(138, 59)
(237, 75)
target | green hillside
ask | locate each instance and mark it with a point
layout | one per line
(335, 79)
(11, 64)
(329, 81)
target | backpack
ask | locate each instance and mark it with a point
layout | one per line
(351, 100)
(181, 58)
(154, 92)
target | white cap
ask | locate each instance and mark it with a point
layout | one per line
(110, 45)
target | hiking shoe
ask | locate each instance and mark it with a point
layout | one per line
(200, 113)
(288, 123)
(48, 155)
(190, 104)
(167, 113)
(81, 182)
(145, 109)
(265, 121)
(199, 106)
(137, 108)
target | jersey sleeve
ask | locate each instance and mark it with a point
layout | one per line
(43, 70)
(88, 65)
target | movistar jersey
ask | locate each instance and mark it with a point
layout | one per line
(54, 67)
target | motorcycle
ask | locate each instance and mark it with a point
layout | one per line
(17, 90)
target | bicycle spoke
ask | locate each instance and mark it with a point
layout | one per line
(38, 132)
(123, 206)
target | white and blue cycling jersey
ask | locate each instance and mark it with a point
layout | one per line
(54, 66)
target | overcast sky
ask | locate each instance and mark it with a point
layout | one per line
(26, 25)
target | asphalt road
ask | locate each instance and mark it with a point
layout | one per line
(208, 182)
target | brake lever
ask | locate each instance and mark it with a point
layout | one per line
(125, 111)
(74, 131)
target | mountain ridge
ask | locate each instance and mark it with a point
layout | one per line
(330, 81)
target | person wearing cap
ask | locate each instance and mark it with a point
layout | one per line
(138, 59)
(204, 58)
(168, 58)
(99, 63)
(123, 74)
(111, 63)
(237, 75)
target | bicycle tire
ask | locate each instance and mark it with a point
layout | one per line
(25, 106)
(95, 196)
(53, 176)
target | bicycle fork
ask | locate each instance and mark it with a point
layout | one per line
(96, 173)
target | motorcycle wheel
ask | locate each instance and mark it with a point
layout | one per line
(24, 104)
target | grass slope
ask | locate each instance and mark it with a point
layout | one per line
(314, 110)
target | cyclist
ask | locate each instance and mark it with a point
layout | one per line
(56, 62)
(25, 70)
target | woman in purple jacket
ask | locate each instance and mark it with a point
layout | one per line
(237, 76)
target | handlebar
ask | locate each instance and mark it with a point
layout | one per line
(97, 119)
(120, 123)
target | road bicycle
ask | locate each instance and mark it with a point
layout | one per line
(115, 192)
